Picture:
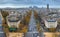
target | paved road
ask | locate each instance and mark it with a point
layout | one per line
(2, 34)
(32, 24)
(32, 31)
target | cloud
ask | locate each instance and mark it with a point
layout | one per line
(28, 2)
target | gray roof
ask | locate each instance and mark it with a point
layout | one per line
(13, 20)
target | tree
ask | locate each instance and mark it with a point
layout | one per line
(4, 14)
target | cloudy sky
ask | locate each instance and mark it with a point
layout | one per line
(27, 3)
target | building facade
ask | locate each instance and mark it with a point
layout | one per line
(14, 20)
(51, 23)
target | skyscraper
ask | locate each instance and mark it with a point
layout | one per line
(48, 6)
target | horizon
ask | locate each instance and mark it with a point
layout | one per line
(27, 3)
(27, 6)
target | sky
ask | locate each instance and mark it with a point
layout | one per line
(27, 3)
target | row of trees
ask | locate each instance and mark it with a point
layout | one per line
(4, 15)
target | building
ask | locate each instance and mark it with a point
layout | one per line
(14, 19)
(48, 10)
(48, 6)
(51, 23)
(15, 34)
(55, 34)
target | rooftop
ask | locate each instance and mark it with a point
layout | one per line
(14, 18)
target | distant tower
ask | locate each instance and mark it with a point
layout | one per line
(48, 7)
